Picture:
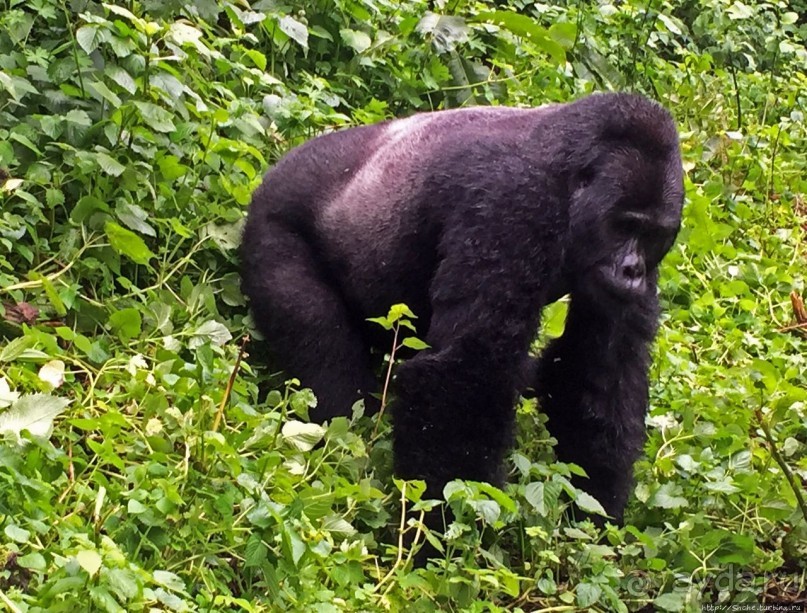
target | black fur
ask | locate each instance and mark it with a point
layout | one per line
(476, 219)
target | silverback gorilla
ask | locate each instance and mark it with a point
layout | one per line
(476, 218)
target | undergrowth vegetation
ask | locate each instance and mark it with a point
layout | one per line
(140, 466)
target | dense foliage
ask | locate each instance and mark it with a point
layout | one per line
(140, 468)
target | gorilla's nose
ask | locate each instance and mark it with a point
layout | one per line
(633, 267)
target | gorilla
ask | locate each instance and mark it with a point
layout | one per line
(476, 218)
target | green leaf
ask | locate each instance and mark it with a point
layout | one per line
(303, 436)
(127, 323)
(15, 348)
(587, 594)
(294, 29)
(563, 33)
(589, 504)
(106, 93)
(89, 37)
(667, 497)
(156, 117)
(169, 580)
(534, 494)
(210, 332)
(672, 601)
(85, 207)
(255, 551)
(356, 40)
(79, 118)
(526, 27)
(90, 560)
(121, 77)
(17, 534)
(414, 343)
(32, 412)
(127, 243)
(33, 561)
(110, 165)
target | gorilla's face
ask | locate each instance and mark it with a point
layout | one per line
(622, 228)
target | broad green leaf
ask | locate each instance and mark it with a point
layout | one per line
(17, 534)
(527, 27)
(356, 40)
(589, 504)
(668, 497)
(303, 436)
(534, 493)
(33, 561)
(106, 93)
(85, 207)
(127, 323)
(90, 560)
(89, 37)
(156, 117)
(414, 343)
(671, 601)
(295, 30)
(127, 243)
(587, 594)
(32, 412)
(109, 165)
(79, 118)
(169, 580)
(212, 332)
(121, 77)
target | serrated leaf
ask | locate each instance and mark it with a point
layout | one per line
(127, 243)
(302, 435)
(16, 348)
(32, 412)
(294, 29)
(255, 551)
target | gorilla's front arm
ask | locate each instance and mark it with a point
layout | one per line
(455, 409)
(592, 383)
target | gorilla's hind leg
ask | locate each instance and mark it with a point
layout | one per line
(304, 319)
